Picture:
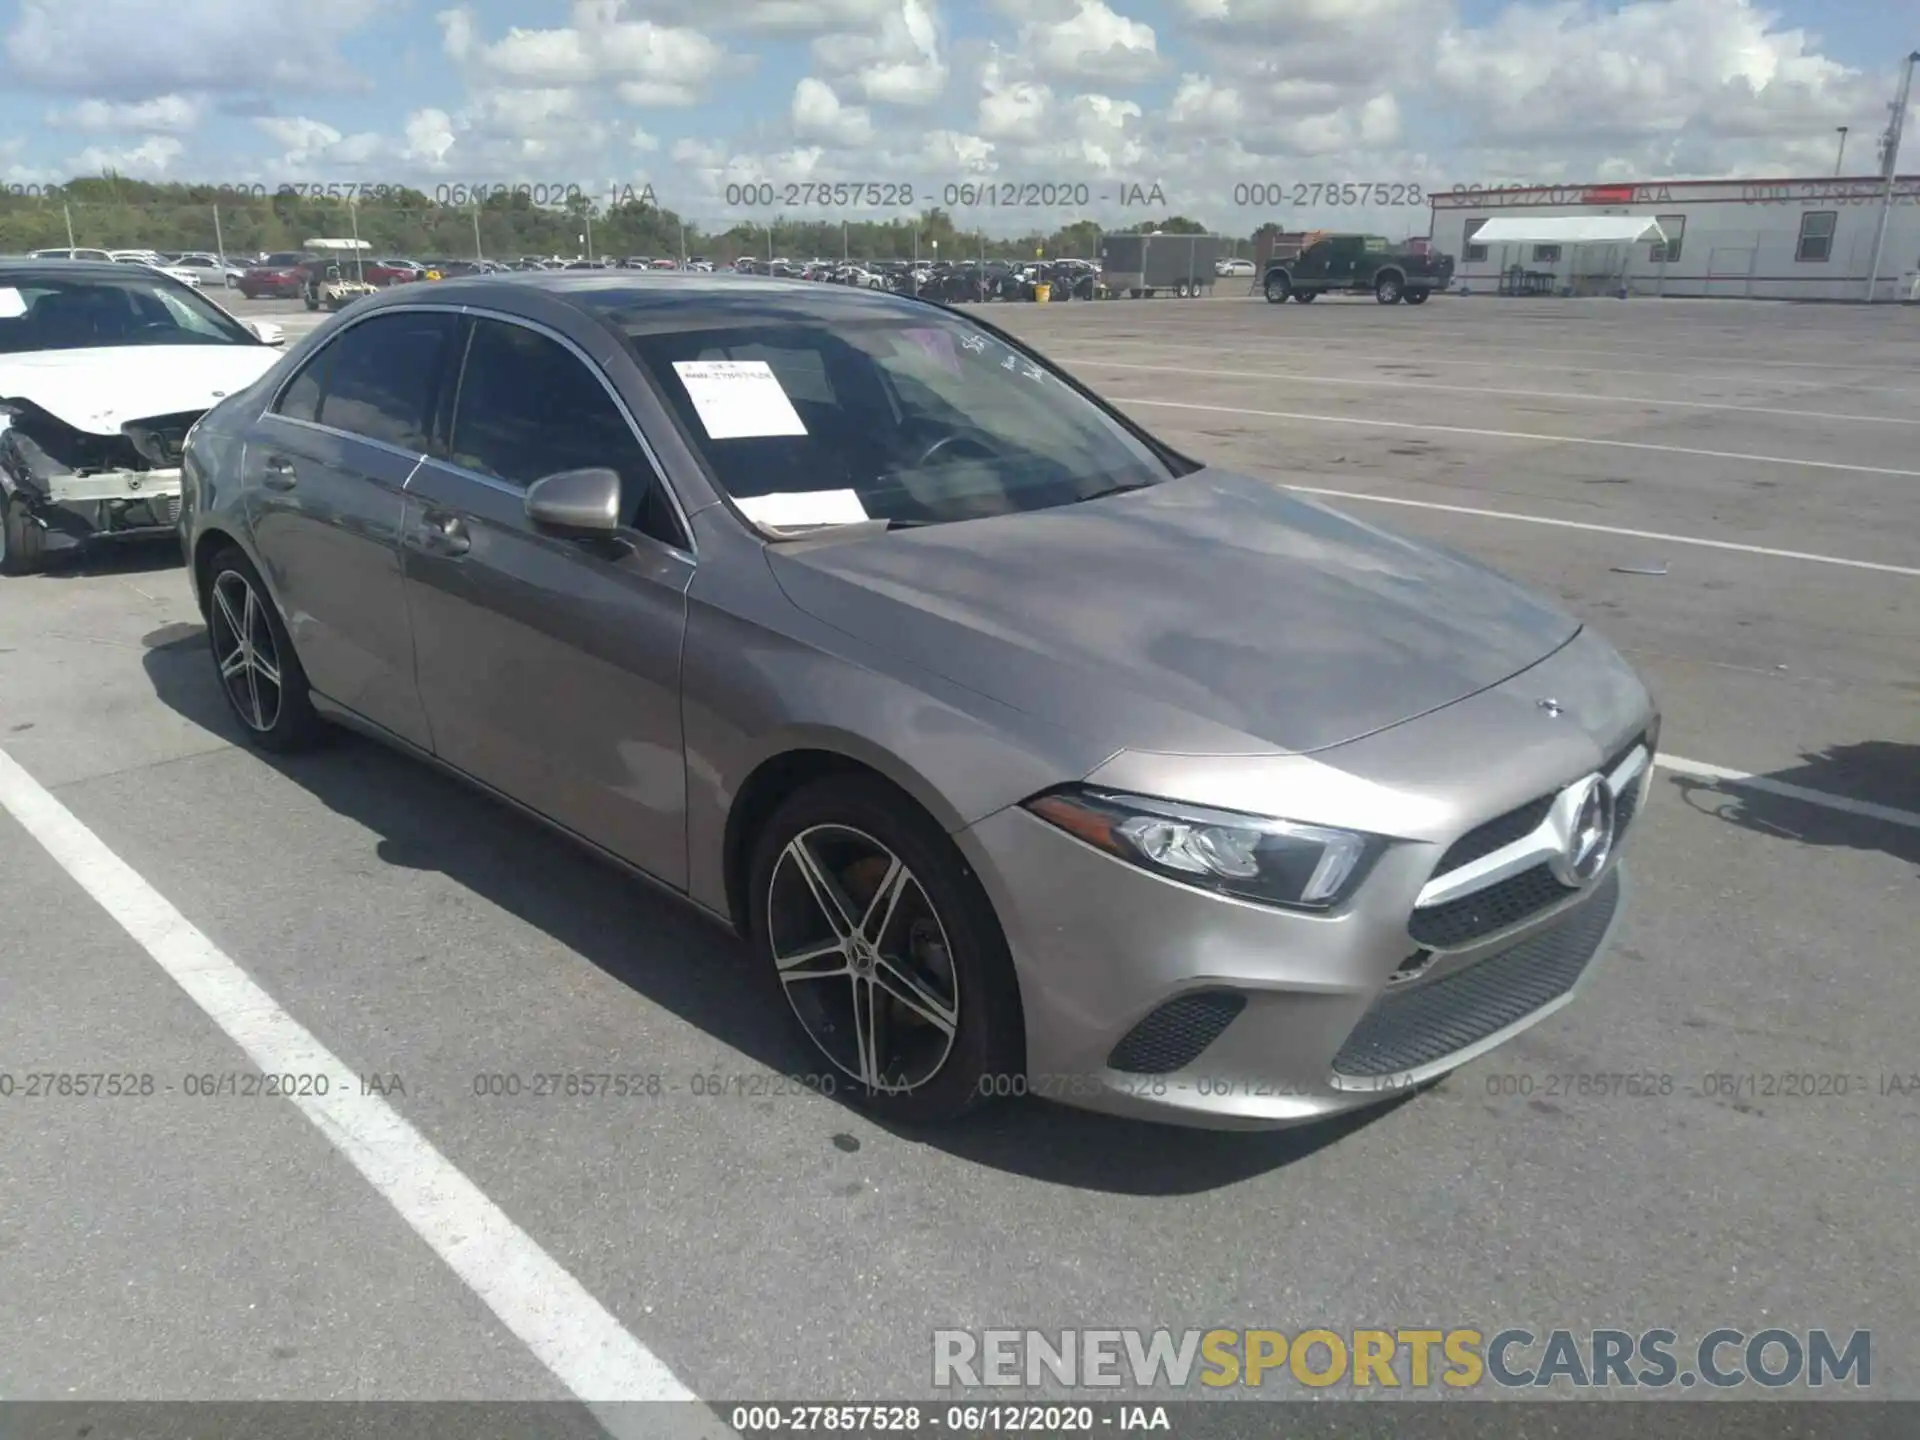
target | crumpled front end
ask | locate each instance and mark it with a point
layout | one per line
(77, 485)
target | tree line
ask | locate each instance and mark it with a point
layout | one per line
(112, 212)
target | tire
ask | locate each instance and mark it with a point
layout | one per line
(1278, 287)
(1180, 290)
(1306, 297)
(1388, 289)
(1417, 297)
(276, 713)
(941, 935)
(22, 543)
(313, 301)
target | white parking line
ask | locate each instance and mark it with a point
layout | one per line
(568, 1330)
(1455, 360)
(1741, 779)
(1518, 435)
(1632, 355)
(1612, 530)
(1489, 392)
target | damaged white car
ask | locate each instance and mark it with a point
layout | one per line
(103, 370)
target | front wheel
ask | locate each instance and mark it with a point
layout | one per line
(254, 659)
(1388, 289)
(1418, 297)
(22, 542)
(886, 949)
(1278, 288)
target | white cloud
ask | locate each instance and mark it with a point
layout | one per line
(895, 60)
(819, 115)
(149, 160)
(162, 115)
(1094, 42)
(644, 63)
(130, 51)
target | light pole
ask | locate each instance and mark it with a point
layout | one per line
(1841, 159)
(1889, 169)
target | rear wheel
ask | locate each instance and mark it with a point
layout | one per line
(259, 673)
(22, 543)
(886, 949)
(1278, 288)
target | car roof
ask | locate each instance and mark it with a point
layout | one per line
(616, 299)
(71, 269)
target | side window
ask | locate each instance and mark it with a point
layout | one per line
(529, 407)
(1474, 252)
(383, 375)
(301, 399)
(1674, 227)
(1816, 235)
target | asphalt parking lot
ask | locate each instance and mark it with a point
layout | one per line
(1762, 459)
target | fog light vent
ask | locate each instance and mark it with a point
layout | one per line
(1414, 965)
(1173, 1036)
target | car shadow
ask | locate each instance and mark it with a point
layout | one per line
(429, 821)
(1881, 773)
(145, 556)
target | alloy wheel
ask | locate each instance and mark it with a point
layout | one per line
(243, 645)
(863, 958)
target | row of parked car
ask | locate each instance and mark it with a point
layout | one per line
(944, 280)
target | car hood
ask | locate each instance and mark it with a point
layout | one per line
(1214, 613)
(99, 390)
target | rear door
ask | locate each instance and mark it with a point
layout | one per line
(324, 472)
(550, 667)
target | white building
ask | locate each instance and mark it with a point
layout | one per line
(1768, 239)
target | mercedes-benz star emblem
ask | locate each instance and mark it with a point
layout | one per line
(1584, 819)
(1552, 707)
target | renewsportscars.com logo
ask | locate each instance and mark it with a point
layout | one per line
(1400, 1359)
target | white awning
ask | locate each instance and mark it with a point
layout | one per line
(1569, 230)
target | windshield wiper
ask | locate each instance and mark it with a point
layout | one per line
(1120, 489)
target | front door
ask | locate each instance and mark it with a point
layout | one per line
(550, 667)
(325, 473)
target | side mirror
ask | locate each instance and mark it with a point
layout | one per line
(267, 332)
(576, 502)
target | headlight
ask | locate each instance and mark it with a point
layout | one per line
(1276, 862)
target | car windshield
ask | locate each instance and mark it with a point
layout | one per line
(915, 416)
(74, 313)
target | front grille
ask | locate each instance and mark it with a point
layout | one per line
(1496, 834)
(1486, 912)
(1508, 902)
(1411, 1028)
(1173, 1036)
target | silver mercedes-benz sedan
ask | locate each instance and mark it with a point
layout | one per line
(1029, 755)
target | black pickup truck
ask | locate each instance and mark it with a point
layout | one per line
(1359, 265)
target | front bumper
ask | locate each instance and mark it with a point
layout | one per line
(75, 510)
(1150, 997)
(1147, 997)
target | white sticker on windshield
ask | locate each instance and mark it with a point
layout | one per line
(739, 399)
(808, 507)
(12, 305)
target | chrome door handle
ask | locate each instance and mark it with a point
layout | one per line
(444, 535)
(280, 474)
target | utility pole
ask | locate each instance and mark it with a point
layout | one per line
(1841, 159)
(1889, 170)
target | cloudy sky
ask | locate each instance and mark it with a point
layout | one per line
(1195, 96)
